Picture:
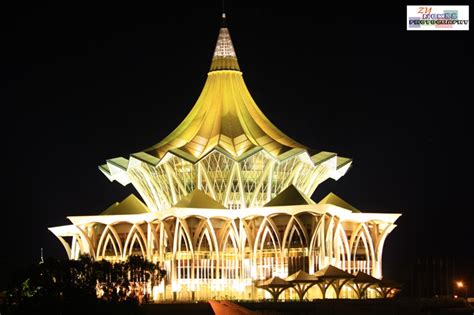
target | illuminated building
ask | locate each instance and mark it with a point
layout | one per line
(227, 202)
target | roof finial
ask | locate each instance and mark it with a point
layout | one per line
(223, 9)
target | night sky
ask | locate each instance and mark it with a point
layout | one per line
(84, 82)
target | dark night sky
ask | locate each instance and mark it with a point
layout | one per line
(81, 83)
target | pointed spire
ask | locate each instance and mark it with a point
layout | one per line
(224, 57)
(224, 47)
(225, 116)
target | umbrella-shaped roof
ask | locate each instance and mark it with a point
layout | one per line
(362, 277)
(225, 115)
(274, 282)
(301, 276)
(333, 272)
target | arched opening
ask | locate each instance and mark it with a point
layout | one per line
(295, 248)
(267, 252)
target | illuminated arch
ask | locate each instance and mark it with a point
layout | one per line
(266, 264)
(91, 250)
(342, 248)
(109, 234)
(361, 234)
(135, 234)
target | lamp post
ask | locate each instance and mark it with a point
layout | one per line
(461, 286)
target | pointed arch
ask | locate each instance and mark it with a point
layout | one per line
(361, 234)
(109, 234)
(182, 233)
(294, 247)
(183, 252)
(206, 261)
(135, 234)
(230, 253)
(136, 239)
(109, 241)
(266, 260)
(268, 226)
(229, 229)
(294, 228)
(91, 249)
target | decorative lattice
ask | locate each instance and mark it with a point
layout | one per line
(224, 47)
(249, 183)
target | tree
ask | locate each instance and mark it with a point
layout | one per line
(60, 286)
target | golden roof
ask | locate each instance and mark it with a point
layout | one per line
(130, 205)
(198, 199)
(289, 197)
(335, 200)
(225, 115)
